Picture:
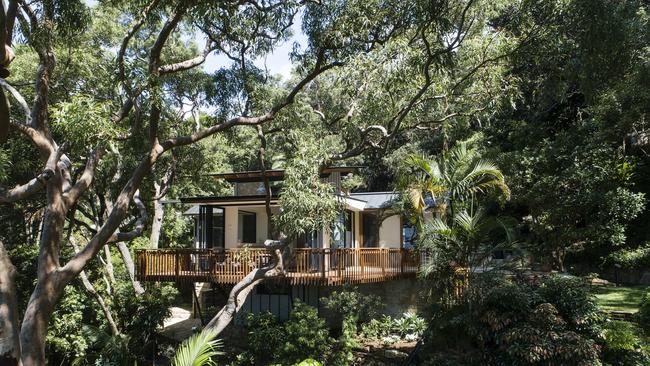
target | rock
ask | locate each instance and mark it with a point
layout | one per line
(395, 354)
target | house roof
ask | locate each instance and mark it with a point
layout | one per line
(194, 210)
(376, 200)
(355, 201)
(274, 174)
(230, 200)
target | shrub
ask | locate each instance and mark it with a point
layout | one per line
(409, 327)
(303, 336)
(623, 345)
(349, 303)
(377, 328)
(511, 322)
(644, 313)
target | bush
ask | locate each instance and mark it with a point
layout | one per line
(349, 303)
(409, 327)
(644, 313)
(303, 336)
(511, 322)
(624, 345)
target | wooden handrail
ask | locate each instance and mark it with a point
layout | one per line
(309, 266)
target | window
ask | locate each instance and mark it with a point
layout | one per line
(247, 227)
(210, 227)
(370, 230)
(408, 234)
(342, 232)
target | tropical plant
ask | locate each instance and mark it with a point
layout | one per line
(198, 350)
(458, 175)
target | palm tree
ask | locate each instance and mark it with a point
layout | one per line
(459, 247)
(198, 350)
(458, 175)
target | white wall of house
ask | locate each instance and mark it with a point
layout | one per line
(231, 220)
(390, 232)
(357, 228)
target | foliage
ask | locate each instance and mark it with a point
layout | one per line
(303, 336)
(350, 303)
(630, 258)
(644, 312)
(448, 184)
(198, 350)
(574, 183)
(66, 336)
(509, 321)
(624, 345)
(308, 203)
(409, 327)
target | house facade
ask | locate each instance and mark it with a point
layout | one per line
(368, 243)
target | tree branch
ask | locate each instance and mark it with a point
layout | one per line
(35, 185)
(82, 184)
(241, 290)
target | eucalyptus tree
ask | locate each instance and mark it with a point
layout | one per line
(101, 128)
(137, 108)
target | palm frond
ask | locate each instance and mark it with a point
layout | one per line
(198, 350)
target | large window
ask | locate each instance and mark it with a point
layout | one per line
(342, 231)
(370, 230)
(210, 227)
(408, 234)
(247, 227)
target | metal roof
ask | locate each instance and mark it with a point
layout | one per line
(274, 174)
(376, 200)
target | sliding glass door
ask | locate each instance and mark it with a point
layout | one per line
(210, 228)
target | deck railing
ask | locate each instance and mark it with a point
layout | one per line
(307, 266)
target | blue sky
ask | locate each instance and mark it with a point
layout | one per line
(278, 63)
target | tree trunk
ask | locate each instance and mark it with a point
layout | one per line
(9, 341)
(36, 319)
(158, 208)
(241, 290)
(102, 304)
(130, 267)
(158, 214)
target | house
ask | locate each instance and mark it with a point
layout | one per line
(369, 243)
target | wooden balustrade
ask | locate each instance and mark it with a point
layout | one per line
(307, 266)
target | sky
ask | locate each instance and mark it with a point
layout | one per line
(278, 63)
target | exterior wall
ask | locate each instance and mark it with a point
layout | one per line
(232, 220)
(357, 228)
(390, 232)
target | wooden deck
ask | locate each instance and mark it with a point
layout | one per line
(309, 266)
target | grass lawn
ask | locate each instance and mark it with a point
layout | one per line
(619, 298)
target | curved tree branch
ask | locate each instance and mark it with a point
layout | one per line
(241, 290)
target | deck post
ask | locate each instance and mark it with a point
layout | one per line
(177, 260)
(340, 254)
(322, 263)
